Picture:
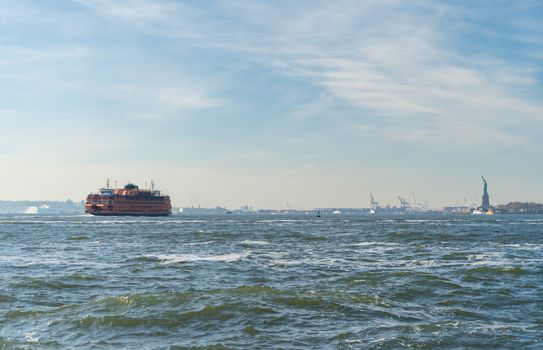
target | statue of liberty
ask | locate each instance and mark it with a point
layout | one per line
(485, 206)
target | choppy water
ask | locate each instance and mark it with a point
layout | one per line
(230, 282)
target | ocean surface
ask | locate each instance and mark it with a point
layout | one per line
(271, 282)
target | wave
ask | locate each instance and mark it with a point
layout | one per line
(205, 347)
(180, 258)
(30, 343)
(496, 270)
(13, 314)
(199, 243)
(258, 289)
(145, 300)
(249, 242)
(54, 284)
(34, 222)
(281, 220)
(77, 238)
(6, 298)
(370, 299)
(70, 281)
(307, 261)
(373, 243)
(170, 319)
(30, 261)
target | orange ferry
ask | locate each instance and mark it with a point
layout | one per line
(130, 200)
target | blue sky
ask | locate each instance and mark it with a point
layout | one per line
(312, 103)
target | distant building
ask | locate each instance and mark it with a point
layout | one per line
(520, 208)
(201, 211)
(41, 207)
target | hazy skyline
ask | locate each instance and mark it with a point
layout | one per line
(311, 103)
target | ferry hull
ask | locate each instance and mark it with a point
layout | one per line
(158, 209)
(97, 213)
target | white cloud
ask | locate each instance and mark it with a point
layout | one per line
(131, 9)
(401, 67)
(398, 62)
(156, 101)
(186, 99)
(18, 55)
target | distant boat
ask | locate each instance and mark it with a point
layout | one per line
(480, 212)
(31, 210)
(318, 213)
(372, 211)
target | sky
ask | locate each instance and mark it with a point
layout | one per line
(273, 103)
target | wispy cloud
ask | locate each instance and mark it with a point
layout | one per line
(274, 83)
(18, 55)
(131, 9)
(160, 102)
(409, 75)
(399, 63)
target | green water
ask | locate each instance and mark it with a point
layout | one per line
(269, 282)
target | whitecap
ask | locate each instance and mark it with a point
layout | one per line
(31, 337)
(178, 258)
(249, 242)
(373, 243)
(200, 243)
(286, 262)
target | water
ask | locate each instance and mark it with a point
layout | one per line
(270, 282)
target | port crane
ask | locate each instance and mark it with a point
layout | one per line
(404, 204)
(373, 204)
(419, 206)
